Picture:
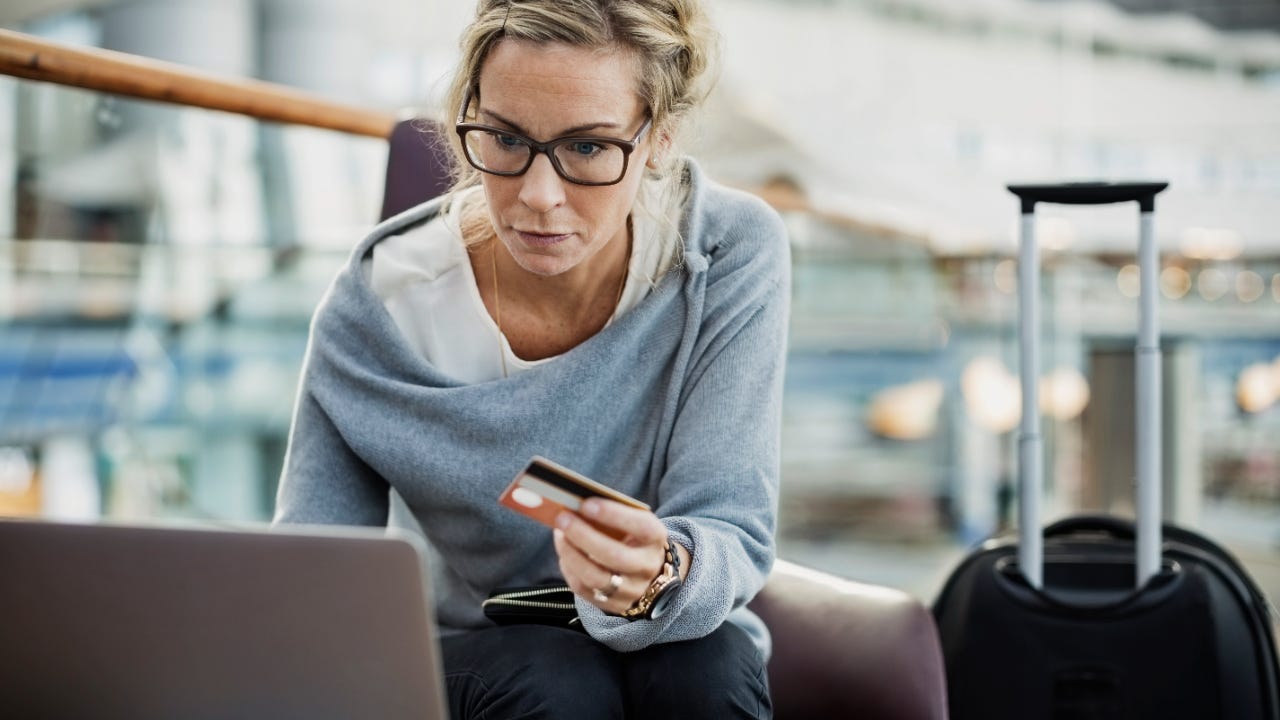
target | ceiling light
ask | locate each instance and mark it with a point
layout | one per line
(1175, 282)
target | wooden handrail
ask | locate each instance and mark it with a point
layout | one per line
(33, 58)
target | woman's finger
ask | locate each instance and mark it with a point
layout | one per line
(627, 557)
(641, 527)
(610, 590)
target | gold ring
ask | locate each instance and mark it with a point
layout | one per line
(615, 582)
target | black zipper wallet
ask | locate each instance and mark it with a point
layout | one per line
(533, 605)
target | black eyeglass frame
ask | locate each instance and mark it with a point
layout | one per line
(626, 146)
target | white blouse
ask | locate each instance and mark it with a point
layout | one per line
(425, 281)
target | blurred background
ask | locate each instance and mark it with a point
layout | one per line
(159, 263)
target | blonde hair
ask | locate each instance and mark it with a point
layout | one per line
(675, 49)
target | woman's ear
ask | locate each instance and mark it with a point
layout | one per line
(660, 150)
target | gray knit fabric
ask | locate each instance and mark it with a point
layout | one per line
(677, 403)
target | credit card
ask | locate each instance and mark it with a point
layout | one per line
(543, 489)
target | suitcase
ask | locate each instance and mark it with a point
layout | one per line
(1098, 617)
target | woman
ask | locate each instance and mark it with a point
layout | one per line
(587, 295)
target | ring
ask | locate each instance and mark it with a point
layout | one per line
(615, 582)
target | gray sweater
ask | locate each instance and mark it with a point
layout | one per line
(677, 403)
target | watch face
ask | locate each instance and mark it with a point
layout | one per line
(663, 601)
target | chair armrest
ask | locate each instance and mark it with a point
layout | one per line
(848, 649)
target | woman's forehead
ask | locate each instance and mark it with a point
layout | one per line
(546, 81)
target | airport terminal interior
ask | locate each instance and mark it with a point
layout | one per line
(159, 263)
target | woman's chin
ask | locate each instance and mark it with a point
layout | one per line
(543, 265)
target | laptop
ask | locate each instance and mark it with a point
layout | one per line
(143, 622)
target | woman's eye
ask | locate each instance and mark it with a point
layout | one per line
(508, 141)
(584, 148)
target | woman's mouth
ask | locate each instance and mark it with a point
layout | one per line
(538, 239)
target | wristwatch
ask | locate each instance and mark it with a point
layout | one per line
(657, 598)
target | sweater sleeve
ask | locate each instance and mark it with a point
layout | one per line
(719, 492)
(324, 482)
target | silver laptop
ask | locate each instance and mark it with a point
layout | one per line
(112, 621)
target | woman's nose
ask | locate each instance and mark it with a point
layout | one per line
(542, 188)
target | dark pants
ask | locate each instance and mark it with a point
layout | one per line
(536, 671)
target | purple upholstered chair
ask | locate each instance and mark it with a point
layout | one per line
(841, 649)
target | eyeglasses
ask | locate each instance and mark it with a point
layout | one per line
(582, 160)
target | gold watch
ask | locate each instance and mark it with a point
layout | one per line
(657, 597)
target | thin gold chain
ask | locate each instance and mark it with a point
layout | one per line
(497, 298)
(497, 302)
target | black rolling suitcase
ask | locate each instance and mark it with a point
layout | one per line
(1096, 617)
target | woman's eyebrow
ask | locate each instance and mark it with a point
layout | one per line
(495, 117)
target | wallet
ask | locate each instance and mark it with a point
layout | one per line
(533, 604)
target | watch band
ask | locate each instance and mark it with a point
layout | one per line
(653, 603)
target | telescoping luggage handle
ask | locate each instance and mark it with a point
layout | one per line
(1147, 363)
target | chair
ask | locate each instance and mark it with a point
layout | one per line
(848, 649)
(840, 648)
(417, 166)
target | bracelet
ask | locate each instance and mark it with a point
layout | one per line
(657, 597)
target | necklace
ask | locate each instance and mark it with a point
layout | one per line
(497, 297)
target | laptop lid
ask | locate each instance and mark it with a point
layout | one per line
(139, 622)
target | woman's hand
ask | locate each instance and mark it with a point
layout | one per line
(612, 574)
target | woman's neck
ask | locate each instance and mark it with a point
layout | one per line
(544, 316)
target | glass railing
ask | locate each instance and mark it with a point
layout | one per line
(159, 263)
